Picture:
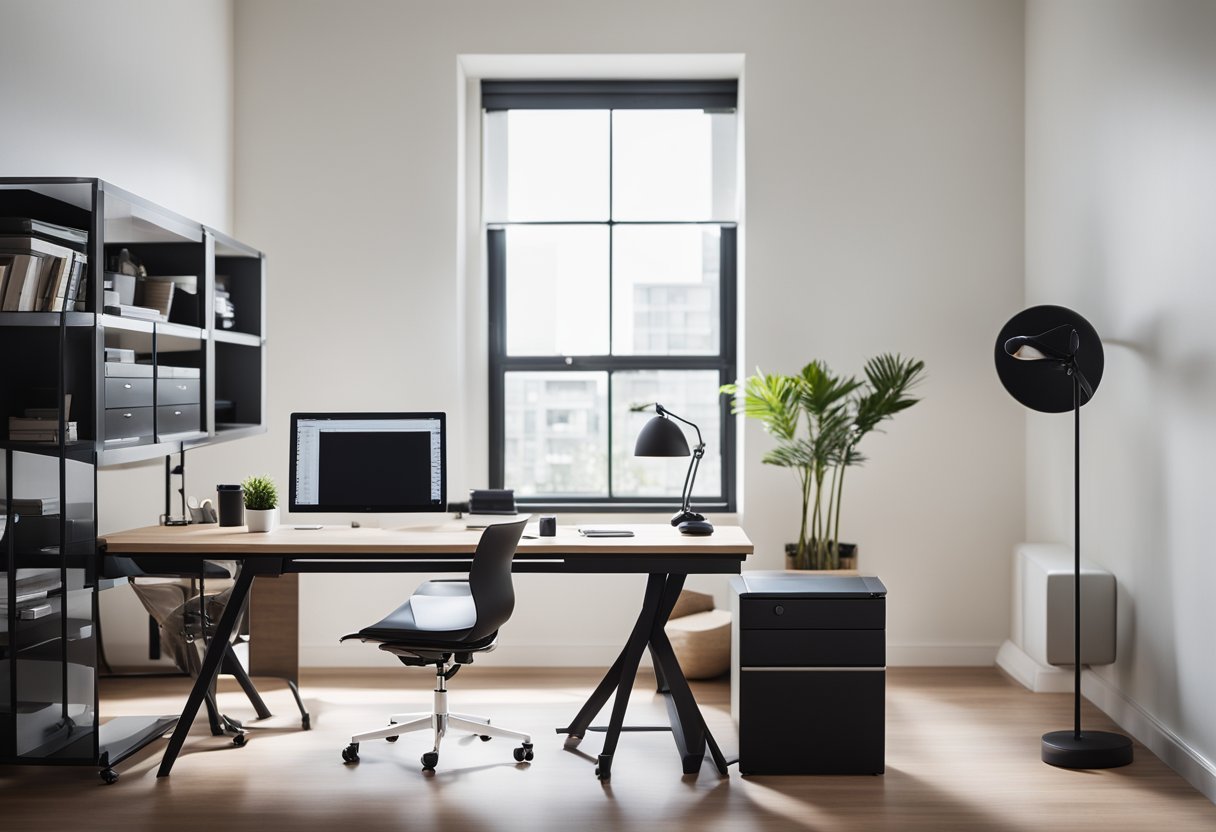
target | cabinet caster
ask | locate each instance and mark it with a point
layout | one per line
(524, 753)
(391, 739)
(350, 754)
(108, 776)
(239, 740)
(429, 760)
(604, 768)
(485, 738)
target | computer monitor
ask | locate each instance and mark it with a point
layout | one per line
(368, 462)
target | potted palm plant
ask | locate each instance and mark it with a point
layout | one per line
(261, 504)
(819, 419)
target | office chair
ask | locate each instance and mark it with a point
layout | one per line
(444, 623)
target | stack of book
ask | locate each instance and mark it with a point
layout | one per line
(40, 268)
(28, 506)
(39, 429)
(143, 313)
(41, 424)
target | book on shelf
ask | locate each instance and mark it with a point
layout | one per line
(141, 313)
(38, 275)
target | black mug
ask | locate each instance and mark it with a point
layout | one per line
(548, 525)
(232, 505)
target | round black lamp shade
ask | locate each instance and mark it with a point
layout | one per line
(1043, 333)
(661, 437)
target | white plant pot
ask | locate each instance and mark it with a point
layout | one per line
(265, 520)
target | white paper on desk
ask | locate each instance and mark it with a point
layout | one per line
(443, 612)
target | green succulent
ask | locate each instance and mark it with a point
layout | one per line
(260, 493)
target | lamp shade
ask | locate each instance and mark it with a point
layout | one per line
(661, 437)
(1039, 336)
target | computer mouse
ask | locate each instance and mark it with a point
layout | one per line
(697, 527)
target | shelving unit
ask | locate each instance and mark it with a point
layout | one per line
(199, 378)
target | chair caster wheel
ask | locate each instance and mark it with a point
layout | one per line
(485, 738)
(239, 740)
(391, 739)
(108, 776)
(524, 752)
(350, 754)
(429, 760)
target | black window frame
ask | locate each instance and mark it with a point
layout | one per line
(711, 96)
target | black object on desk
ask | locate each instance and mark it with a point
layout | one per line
(808, 673)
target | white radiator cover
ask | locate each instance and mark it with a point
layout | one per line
(1043, 601)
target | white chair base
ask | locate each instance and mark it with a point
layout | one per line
(439, 720)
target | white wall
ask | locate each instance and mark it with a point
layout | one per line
(139, 93)
(1120, 200)
(884, 212)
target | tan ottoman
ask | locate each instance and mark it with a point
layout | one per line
(702, 643)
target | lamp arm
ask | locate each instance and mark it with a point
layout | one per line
(662, 411)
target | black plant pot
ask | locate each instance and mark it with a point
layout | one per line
(848, 556)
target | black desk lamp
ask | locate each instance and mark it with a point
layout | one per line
(663, 437)
(1069, 346)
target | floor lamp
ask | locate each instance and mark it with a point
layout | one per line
(1056, 368)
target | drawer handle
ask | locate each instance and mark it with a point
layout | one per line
(126, 387)
(127, 415)
(177, 413)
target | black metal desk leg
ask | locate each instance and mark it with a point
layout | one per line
(628, 671)
(211, 665)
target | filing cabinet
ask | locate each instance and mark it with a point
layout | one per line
(808, 673)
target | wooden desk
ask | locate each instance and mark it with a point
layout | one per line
(659, 551)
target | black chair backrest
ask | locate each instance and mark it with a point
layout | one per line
(490, 578)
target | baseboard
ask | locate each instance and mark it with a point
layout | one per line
(1174, 751)
(603, 655)
(941, 655)
(1037, 677)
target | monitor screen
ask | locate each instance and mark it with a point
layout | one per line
(368, 462)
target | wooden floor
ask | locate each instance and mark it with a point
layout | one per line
(962, 753)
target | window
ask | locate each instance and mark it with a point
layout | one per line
(609, 212)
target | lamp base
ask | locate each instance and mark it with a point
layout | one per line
(684, 515)
(697, 527)
(1094, 749)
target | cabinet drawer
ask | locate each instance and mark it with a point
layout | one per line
(812, 648)
(176, 418)
(177, 391)
(812, 613)
(808, 722)
(128, 392)
(128, 423)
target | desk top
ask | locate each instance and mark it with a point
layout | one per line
(439, 539)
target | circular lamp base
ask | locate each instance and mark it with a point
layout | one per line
(1094, 749)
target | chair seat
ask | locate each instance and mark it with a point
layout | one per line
(439, 613)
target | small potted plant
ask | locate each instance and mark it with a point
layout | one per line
(261, 504)
(818, 419)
